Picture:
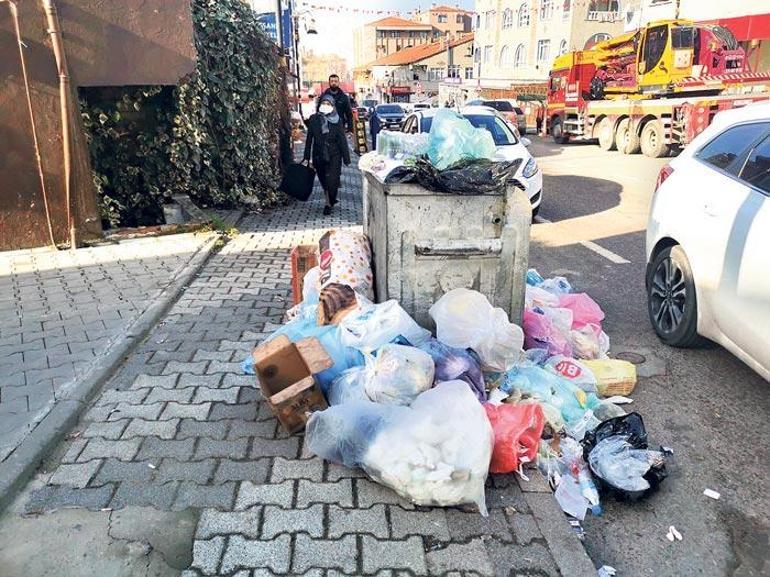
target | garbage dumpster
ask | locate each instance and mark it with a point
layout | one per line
(426, 243)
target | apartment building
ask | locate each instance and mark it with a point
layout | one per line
(386, 36)
(446, 20)
(517, 40)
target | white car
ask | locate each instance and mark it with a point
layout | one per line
(510, 146)
(708, 240)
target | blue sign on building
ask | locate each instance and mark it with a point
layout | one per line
(268, 22)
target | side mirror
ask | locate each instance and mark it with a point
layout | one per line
(526, 141)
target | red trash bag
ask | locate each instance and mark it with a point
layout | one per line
(517, 431)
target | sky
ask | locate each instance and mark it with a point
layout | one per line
(335, 29)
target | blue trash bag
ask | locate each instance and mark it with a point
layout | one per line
(455, 364)
(453, 138)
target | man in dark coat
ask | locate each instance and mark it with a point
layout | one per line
(341, 101)
(374, 128)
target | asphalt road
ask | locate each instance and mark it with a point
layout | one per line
(705, 404)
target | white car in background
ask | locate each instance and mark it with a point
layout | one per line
(708, 240)
(510, 145)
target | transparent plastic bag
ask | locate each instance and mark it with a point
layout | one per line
(398, 374)
(465, 319)
(453, 138)
(589, 342)
(435, 452)
(455, 364)
(310, 290)
(557, 285)
(534, 296)
(619, 464)
(576, 491)
(348, 387)
(377, 325)
(541, 333)
(573, 370)
(584, 309)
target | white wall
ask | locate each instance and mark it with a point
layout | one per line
(713, 9)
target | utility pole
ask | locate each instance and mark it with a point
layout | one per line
(279, 24)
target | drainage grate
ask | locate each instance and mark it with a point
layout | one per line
(634, 358)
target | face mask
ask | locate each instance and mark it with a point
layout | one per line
(326, 109)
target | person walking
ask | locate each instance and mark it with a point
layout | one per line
(374, 128)
(327, 145)
(341, 102)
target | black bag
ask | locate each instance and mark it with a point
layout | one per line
(297, 181)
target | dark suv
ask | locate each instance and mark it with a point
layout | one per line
(390, 115)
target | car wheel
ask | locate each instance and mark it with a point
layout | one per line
(557, 133)
(654, 140)
(627, 139)
(606, 135)
(671, 299)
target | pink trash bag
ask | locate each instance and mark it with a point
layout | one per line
(540, 332)
(584, 309)
(517, 430)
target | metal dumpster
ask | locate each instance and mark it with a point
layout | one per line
(426, 243)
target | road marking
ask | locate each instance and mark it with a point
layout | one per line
(592, 246)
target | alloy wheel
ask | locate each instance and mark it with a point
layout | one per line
(668, 296)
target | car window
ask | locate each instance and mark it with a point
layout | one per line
(518, 111)
(501, 133)
(732, 143)
(499, 105)
(389, 109)
(756, 171)
(410, 124)
(426, 123)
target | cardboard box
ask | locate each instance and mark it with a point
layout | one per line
(303, 258)
(285, 375)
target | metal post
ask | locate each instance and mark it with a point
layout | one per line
(279, 24)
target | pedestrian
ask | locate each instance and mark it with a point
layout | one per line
(327, 145)
(374, 128)
(341, 102)
(539, 114)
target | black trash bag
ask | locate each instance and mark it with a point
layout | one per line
(401, 174)
(631, 428)
(298, 181)
(471, 177)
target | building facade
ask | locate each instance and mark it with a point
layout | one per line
(446, 20)
(386, 36)
(517, 40)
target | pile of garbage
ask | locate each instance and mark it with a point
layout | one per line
(430, 416)
(454, 157)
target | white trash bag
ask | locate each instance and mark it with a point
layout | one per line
(465, 319)
(398, 374)
(377, 325)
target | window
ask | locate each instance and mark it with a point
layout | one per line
(520, 59)
(453, 71)
(442, 19)
(543, 50)
(487, 53)
(563, 47)
(508, 18)
(506, 57)
(435, 74)
(595, 39)
(496, 126)
(523, 16)
(469, 72)
(756, 171)
(567, 9)
(478, 21)
(654, 46)
(603, 6)
(489, 19)
(477, 55)
(546, 9)
(732, 143)
(459, 19)
(682, 37)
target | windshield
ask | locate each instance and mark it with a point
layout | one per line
(499, 105)
(370, 103)
(389, 109)
(501, 133)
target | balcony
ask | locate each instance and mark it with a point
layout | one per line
(602, 16)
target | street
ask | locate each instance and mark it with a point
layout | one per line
(704, 404)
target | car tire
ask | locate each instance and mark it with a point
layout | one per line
(672, 302)
(627, 140)
(606, 134)
(557, 133)
(653, 140)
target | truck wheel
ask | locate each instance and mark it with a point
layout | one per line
(653, 140)
(606, 135)
(627, 139)
(557, 133)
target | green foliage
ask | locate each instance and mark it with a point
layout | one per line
(218, 137)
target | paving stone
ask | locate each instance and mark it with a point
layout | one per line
(176, 367)
(198, 472)
(219, 496)
(283, 469)
(322, 553)
(212, 381)
(55, 497)
(238, 429)
(186, 411)
(344, 521)
(224, 356)
(154, 382)
(335, 472)
(339, 493)
(255, 471)
(278, 520)
(98, 414)
(466, 525)
(430, 523)
(160, 395)
(101, 448)
(470, 556)
(251, 494)
(76, 476)
(249, 394)
(246, 411)
(155, 448)
(205, 394)
(142, 428)
(131, 397)
(516, 560)
(230, 449)
(214, 522)
(242, 552)
(208, 554)
(287, 448)
(142, 494)
(537, 483)
(524, 527)
(115, 471)
(109, 430)
(406, 554)
(500, 498)
(371, 493)
(124, 411)
(191, 428)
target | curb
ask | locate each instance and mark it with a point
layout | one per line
(26, 458)
(565, 547)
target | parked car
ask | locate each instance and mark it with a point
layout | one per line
(363, 112)
(509, 109)
(390, 115)
(509, 145)
(708, 237)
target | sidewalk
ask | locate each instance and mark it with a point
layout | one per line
(180, 440)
